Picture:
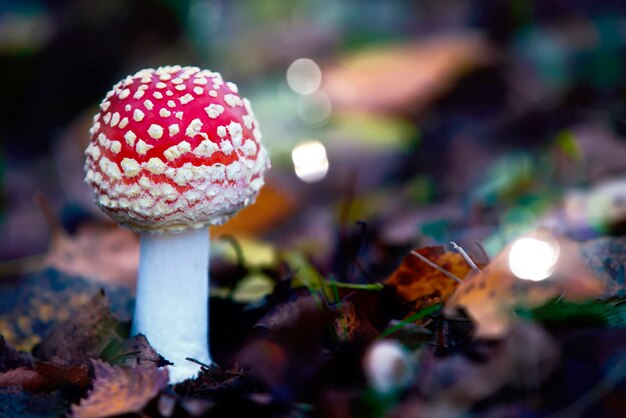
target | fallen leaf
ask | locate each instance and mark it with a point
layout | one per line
(489, 297)
(10, 358)
(21, 378)
(422, 285)
(43, 300)
(46, 377)
(97, 251)
(83, 336)
(133, 352)
(119, 390)
(404, 77)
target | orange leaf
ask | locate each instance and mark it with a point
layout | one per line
(490, 296)
(422, 285)
(119, 390)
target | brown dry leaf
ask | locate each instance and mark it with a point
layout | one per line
(46, 377)
(407, 77)
(22, 378)
(84, 335)
(422, 285)
(97, 251)
(490, 296)
(119, 391)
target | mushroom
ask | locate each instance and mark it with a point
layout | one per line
(172, 151)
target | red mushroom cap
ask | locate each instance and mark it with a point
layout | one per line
(174, 148)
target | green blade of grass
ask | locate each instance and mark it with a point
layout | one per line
(418, 315)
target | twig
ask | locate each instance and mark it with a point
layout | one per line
(436, 267)
(193, 360)
(212, 366)
(466, 257)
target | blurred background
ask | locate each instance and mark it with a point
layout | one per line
(391, 125)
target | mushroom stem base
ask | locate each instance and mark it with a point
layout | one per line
(172, 300)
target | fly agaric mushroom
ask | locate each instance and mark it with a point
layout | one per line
(172, 151)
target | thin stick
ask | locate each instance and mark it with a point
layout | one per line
(436, 267)
(198, 362)
(465, 256)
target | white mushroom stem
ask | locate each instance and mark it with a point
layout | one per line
(173, 298)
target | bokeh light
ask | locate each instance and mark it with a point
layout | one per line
(310, 161)
(314, 109)
(304, 76)
(533, 258)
